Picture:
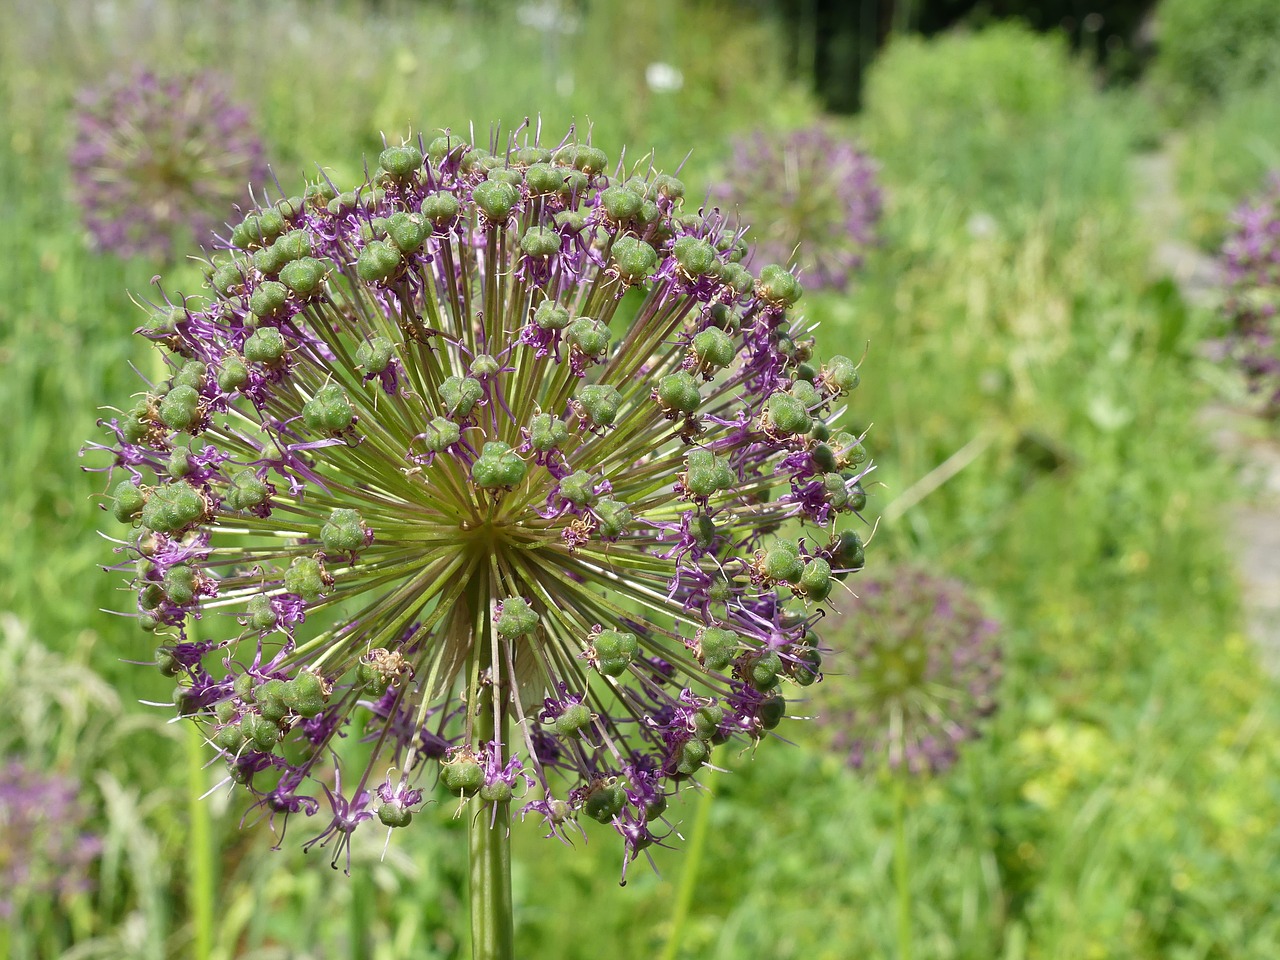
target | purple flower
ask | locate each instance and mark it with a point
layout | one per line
(811, 198)
(545, 562)
(922, 665)
(45, 848)
(157, 162)
(1251, 263)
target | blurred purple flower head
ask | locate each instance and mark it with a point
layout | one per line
(494, 451)
(44, 846)
(809, 197)
(1251, 263)
(160, 162)
(923, 664)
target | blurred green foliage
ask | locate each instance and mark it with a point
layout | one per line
(1126, 800)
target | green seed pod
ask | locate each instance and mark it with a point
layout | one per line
(615, 650)
(230, 738)
(762, 669)
(573, 183)
(407, 231)
(269, 260)
(306, 578)
(483, 365)
(547, 431)
(707, 721)
(265, 345)
(678, 393)
(180, 409)
(454, 148)
(180, 584)
(374, 681)
(693, 754)
(847, 553)
(247, 490)
(589, 337)
(713, 348)
(343, 203)
(772, 711)
(268, 299)
(440, 434)
(224, 710)
(459, 395)
(605, 802)
(134, 428)
(227, 278)
(668, 186)
(620, 203)
(696, 257)
(614, 516)
(540, 242)
(781, 562)
(394, 815)
(848, 449)
(262, 616)
(526, 156)
(598, 404)
(265, 733)
(320, 192)
(497, 792)
(571, 220)
(151, 595)
(344, 532)
(505, 175)
(857, 498)
(377, 262)
(242, 687)
(823, 456)
(706, 474)
(516, 620)
(173, 508)
(440, 208)
(401, 164)
(834, 491)
(165, 322)
(128, 502)
(306, 694)
(839, 375)
(807, 666)
(496, 200)
(329, 411)
(233, 374)
(270, 699)
(462, 776)
(815, 583)
(581, 156)
(498, 467)
(575, 718)
(578, 488)
(374, 355)
(550, 316)
(542, 178)
(786, 415)
(806, 393)
(778, 286)
(737, 277)
(806, 372)
(633, 259)
(193, 374)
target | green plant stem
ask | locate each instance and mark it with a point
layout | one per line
(692, 863)
(902, 867)
(200, 865)
(489, 833)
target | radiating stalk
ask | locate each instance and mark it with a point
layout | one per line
(692, 863)
(902, 867)
(489, 827)
(200, 866)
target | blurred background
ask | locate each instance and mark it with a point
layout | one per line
(1034, 291)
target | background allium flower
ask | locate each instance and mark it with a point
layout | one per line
(1251, 263)
(922, 664)
(158, 161)
(494, 451)
(810, 195)
(44, 846)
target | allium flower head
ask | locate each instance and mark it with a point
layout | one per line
(44, 846)
(810, 196)
(1251, 263)
(158, 161)
(496, 451)
(922, 665)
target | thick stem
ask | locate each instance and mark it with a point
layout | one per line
(902, 866)
(489, 831)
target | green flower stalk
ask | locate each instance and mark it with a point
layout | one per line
(510, 456)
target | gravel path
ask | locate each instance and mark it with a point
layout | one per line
(1254, 519)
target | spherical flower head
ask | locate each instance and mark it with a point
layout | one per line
(509, 457)
(161, 160)
(1251, 264)
(45, 847)
(922, 665)
(811, 198)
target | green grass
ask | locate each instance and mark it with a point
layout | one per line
(1123, 804)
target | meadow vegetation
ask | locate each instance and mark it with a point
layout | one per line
(1032, 392)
